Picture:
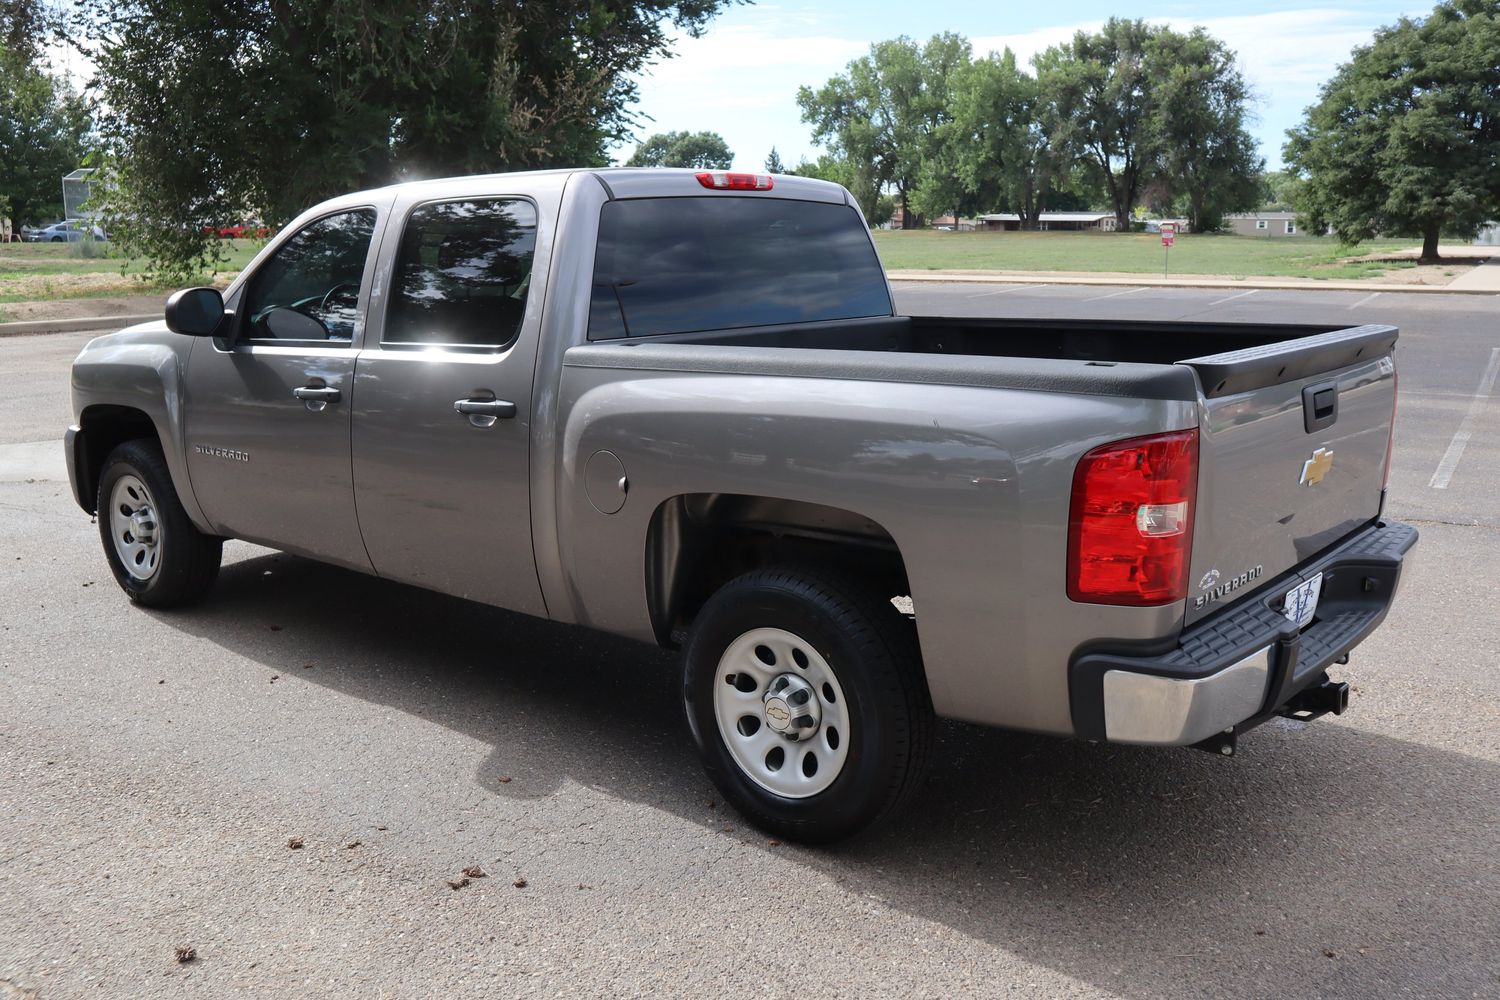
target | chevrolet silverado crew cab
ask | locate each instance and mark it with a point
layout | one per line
(681, 408)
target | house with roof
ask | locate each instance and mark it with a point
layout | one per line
(1262, 224)
(1099, 222)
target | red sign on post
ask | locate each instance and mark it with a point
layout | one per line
(1168, 233)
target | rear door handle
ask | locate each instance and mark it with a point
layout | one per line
(317, 393)
(501, 408)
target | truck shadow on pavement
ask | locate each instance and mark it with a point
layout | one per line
(1322, 860)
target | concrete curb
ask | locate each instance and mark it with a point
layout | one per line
(1003, 278)
(31, 327)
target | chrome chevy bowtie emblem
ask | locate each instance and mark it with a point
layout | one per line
(1315, 468)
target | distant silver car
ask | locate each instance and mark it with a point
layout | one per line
(681, 408)
(67, 232)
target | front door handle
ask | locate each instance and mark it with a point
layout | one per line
(317, 393)
(317, 397)
(502, 408)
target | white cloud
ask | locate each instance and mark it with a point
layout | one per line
(751, 71)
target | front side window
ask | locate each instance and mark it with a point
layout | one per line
(310, 289)
(1260, 223)
(1291, 228)
(685, 265)
(462, 274)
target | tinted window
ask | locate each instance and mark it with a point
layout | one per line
(310, 289)
(462, 274)
(678, 265)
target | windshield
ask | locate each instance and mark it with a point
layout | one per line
(685, 265)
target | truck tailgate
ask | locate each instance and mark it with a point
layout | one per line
(1293, 446)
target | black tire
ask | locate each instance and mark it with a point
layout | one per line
(872, 650)
(188, 560)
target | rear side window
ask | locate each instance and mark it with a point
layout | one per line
(683, 265)
(462, 274)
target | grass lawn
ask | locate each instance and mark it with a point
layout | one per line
(1135, 253)
(42, 271)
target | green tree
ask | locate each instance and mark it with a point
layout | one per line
(1278, 190)
(774, 164)
(44, 129)
(1199, 99)
(25, 26)
(1200, 104)
(1103, 86)
(998, 150)
(704, 150)
(878, 208)
(1405, 139)
(275, 104)
(828, 167)
(883, 112)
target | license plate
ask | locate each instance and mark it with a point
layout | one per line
(1302, 601)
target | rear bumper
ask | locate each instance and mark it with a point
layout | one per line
(1235, 670)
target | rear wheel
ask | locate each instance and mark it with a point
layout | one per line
(156, 554)
(806, 698)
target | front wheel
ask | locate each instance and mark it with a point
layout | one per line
(156, 554)
(806, 698)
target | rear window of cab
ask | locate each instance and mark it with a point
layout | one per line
(687, 265)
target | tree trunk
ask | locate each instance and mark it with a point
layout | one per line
(1430, 244)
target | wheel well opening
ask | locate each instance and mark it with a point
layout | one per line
(105, 427)
(700, 541)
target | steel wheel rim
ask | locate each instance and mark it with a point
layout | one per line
(742, 681)
(135, 528)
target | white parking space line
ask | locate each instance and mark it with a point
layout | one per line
(1128, 291)
(1368, 298)
(1460, 441)
(1003, 291)
(1231, 298)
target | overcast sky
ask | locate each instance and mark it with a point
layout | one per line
(741, 78)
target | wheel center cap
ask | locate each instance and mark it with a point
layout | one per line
(791, 707)
(143, 526)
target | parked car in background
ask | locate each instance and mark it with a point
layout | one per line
(70, 231)
(240, 230)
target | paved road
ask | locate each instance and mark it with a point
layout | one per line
(153, 767)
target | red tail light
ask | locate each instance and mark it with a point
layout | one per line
(1130, 527)
(724, 180)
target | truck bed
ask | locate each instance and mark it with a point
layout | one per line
(1227, 357)
(1272, 401)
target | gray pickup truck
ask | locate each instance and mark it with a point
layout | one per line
(680, 407)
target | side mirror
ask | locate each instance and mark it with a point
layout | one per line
(196, 312)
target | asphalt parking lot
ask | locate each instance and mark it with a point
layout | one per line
(154, 767)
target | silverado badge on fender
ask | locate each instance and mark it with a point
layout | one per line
(1315, 468)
